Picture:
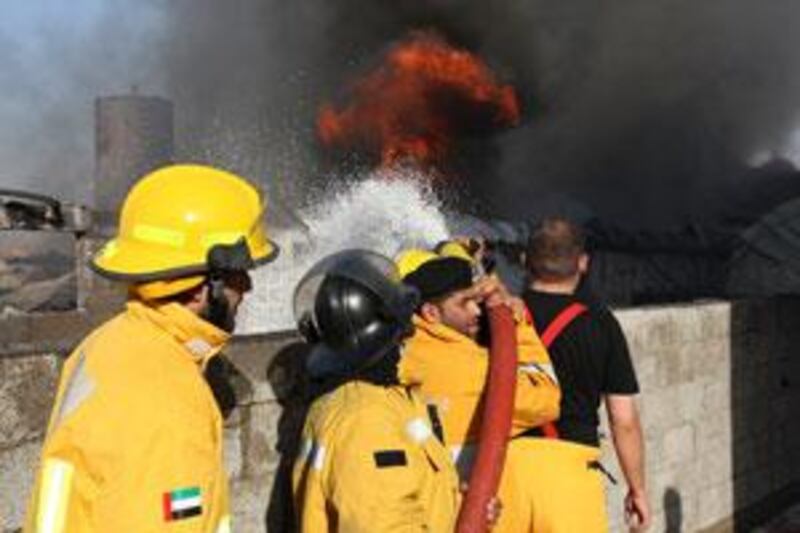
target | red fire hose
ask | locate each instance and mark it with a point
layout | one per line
(495, 422)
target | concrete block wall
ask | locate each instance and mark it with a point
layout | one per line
(25, 396)
(719, 380)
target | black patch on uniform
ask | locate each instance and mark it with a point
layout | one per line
(436, 422)
(390, 458)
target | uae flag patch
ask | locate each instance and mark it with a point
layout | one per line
(182, 503)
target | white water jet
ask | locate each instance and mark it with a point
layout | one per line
(387, 212)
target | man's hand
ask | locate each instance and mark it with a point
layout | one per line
(493, 509)
(492, 292)
(637, 511)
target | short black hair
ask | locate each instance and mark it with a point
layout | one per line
(554, 249)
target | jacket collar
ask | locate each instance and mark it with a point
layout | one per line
(440, 332)
(201, 339)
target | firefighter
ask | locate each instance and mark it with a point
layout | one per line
(592, 362)
(369, 460)
(134, 442)
(445, 361)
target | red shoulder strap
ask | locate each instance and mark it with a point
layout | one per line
(551, 332)
(561, 321)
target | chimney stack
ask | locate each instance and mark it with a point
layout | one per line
(133, 135)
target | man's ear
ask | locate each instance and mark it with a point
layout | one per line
(583, 263)
(430, 313)
(197, 298)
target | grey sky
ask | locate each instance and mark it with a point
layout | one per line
(56, 56)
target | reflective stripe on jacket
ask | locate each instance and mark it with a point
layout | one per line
(135, 436)
(370, 463)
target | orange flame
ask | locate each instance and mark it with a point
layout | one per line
(413, 106)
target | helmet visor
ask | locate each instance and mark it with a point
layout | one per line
(372, 270)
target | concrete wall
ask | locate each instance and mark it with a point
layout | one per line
(719, 382)
(720, 385)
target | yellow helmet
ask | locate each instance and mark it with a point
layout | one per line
(181, 221)
(432, 274)
(455, 248)
(410, 260)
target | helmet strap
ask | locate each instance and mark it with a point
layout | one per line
(234, 256)
(383, 370)
(218, 311)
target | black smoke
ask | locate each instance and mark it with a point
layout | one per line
(644, 112)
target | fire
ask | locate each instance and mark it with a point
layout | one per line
(412, 107)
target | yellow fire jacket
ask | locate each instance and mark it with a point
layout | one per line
(134, 442)
(450, 370)
(370, 463)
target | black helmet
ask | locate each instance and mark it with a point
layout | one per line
(353, 307)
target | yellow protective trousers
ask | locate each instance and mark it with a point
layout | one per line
(548, 486)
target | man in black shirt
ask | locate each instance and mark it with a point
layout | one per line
(591, 360)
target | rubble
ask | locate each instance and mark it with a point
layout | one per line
(37, 271)
(59, 294)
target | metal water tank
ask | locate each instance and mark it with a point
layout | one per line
(133, 135)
